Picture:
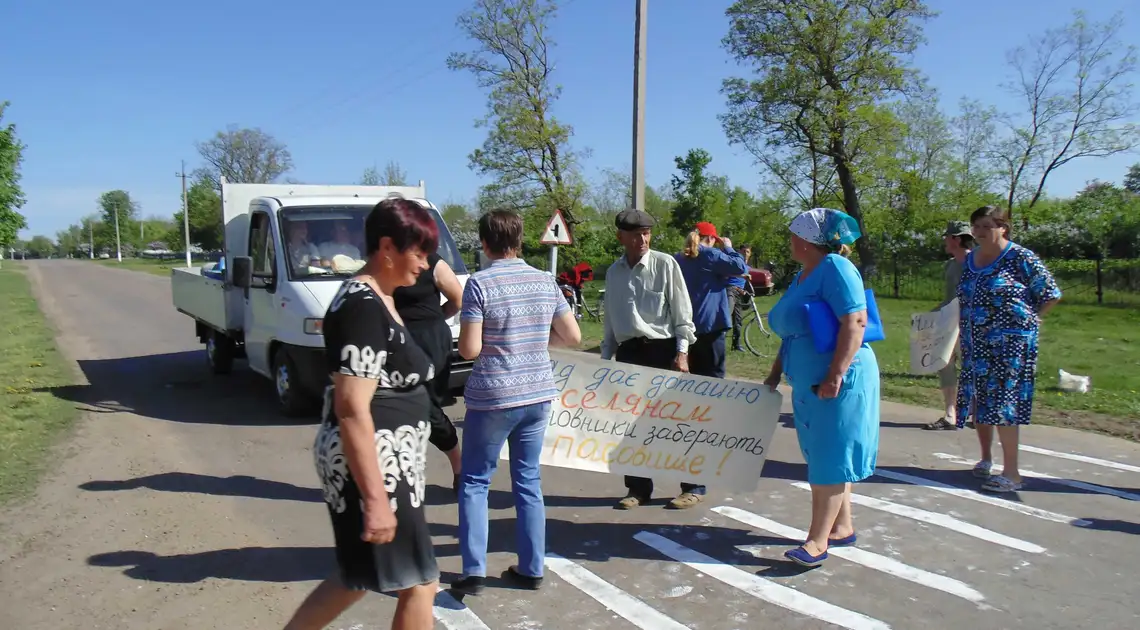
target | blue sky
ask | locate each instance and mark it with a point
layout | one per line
(114, 94)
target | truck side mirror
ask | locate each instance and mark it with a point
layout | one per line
(243, 272)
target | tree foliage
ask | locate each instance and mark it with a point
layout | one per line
(1132, 179)
(204, 206)
(11, 195)
(1074, 84)
(392, 175)
(40, 246)
(823, 71)
(242, 155)
(527, 151)
(694, 192)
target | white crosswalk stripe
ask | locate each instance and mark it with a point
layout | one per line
(623, 604)
(1072, 483)
(454, 615)
(939, 519)
(1106, 463)
(651, 602)
(973, 495)
(759, 587)
(860, 556)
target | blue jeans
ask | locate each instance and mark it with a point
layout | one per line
(484, 433)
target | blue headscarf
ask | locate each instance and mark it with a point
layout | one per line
(824, 226)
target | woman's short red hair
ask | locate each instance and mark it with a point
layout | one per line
(406, 222)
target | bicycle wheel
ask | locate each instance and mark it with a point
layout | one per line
(759, 340)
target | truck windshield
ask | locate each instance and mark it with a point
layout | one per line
(328, 241)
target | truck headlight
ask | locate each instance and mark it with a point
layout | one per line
(314, 326)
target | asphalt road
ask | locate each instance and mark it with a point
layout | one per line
(184, 501)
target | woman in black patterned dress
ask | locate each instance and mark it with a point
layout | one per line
(372, 445)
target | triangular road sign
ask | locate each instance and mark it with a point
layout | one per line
(557, 233)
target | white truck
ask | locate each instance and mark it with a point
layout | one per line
(287, 250)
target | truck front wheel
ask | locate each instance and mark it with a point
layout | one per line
(220, 352)
(293, 400)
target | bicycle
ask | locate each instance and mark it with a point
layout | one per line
(757, 338)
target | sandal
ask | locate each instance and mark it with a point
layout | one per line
(1001, 485)
(982, 469)
(941, 424)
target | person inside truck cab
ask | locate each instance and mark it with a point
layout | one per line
(341, 243)
(301, 252)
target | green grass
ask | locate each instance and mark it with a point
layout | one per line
(31, 417)
(156, 267)
(1096, 341)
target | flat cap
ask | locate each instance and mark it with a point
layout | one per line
(634, 220)
(958, 228)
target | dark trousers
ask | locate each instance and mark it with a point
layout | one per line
(740, 300)
(434, 338)
(707, 355)
(654, 353)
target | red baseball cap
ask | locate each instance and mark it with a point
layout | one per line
(704, 228)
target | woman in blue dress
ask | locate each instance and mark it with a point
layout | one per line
(835, 395)
(1004, 291)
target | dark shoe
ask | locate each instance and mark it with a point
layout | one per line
(470, 585)
(631, 501)
(941, 424)
(738, 348)
(519, 580)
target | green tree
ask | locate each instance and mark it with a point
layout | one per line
(370, 177)
(118, 203)
(241, 155)
(1075, 86)
(11, 195)
(696, 193)
(205, 209)
(1132, 179)
(393, 175)
(527, 151)
(40, 247)
(71, 240)
(823, 72)
(1105, 212)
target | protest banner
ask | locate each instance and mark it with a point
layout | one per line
(626, 419)
(932, 339)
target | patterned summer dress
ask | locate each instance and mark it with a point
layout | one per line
(363, 340)
(998, 335)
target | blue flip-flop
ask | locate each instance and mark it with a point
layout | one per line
(846, 541)
(800, 556)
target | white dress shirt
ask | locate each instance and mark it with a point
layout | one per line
(333, 248)
(648, 300)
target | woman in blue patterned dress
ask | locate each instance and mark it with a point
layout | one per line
(835, 395)
(1004, 291)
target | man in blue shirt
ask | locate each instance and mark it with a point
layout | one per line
(708, 271)
(739, 297)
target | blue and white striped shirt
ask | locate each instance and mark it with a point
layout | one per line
(516, 303)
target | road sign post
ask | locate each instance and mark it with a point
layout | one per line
(556, 233)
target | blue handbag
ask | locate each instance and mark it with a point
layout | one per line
(824, 324)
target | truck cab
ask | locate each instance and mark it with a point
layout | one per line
(287, 251)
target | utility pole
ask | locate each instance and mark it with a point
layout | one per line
(638, 178)
(118, 243)
(91, 238)
(185, 213)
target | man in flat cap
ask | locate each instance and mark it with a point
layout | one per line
(958, 240)
(648, 322)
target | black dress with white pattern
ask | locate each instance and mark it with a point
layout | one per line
(363, 340)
